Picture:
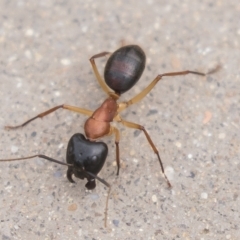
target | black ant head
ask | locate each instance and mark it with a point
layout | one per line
(85, 156)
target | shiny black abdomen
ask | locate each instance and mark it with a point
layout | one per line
(124, 68)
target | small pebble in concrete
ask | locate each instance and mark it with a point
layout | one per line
(204, 195)
(29, 32)
(65, 61)
(14, 149)
(154, 198)
(221, 135)
(115, 222)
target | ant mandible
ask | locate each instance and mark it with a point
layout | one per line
(86, 157)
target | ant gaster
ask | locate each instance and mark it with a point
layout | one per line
(86, 157)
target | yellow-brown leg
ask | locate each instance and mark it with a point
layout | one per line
(137, 126)
(64, 106)
(145, 91)
(115, 131)
(96, 72)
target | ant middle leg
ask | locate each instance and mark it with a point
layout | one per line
(63, 106)
(139, 127)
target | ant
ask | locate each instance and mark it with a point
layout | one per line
(85, 157)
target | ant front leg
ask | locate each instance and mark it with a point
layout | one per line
(64, 106)
(139, 127)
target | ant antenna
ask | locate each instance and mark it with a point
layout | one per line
(69, 165)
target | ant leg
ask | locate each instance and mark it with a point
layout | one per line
(145, 91)
(64, 106)
(137, 126)
(115, 131)
(96, 72)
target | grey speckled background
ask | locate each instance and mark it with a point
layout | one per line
(193, 120)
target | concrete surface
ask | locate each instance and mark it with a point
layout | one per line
(194, 121)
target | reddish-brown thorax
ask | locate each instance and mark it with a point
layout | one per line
(98, 125)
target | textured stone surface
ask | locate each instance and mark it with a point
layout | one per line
(193, 120)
